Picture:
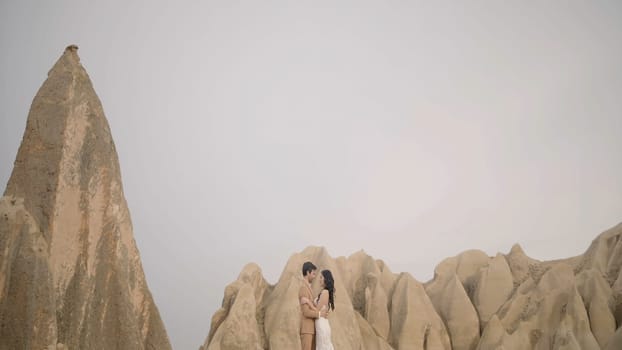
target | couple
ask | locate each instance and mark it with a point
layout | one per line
(314, 327)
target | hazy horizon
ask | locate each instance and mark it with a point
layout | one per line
(414, 131)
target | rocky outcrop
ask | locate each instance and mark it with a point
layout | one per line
(376, 302)
(615, 342)
(415, 324)
(597, 298)
(548, 312)
(455, 308)
(70, 271)
(448, 292)
(242, 306)
(493, 288)
(278, 313)
(475, 301)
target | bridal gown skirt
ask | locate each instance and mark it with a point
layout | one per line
(322, 335)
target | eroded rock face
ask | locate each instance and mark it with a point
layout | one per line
(615, 342)
(597, 298)
(493, 288)
(415, 324)
(455, 308)
(542, 312)
(376, 302)
(475, 301)
(242, 305)
(70, 272)
(451, 291)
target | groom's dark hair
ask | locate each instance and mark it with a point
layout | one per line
(308, 267)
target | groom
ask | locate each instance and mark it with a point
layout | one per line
(309, 313)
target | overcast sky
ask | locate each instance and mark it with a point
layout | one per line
(249, 130)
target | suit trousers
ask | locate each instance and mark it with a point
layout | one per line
(308, 341)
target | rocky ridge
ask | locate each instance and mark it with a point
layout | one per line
(475, 301)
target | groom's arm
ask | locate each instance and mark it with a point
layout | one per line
(307, 311)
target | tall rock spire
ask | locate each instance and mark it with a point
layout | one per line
(70, 271)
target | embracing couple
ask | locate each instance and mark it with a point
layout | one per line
(314, 327)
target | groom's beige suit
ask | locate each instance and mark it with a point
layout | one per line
(308, 316)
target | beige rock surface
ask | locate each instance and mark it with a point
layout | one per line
(465, 265)
(522, 303)
(242, 306)
(70, 272)
(350, 329)
(376, 310)
(370, 339)
(455, 308)
(493, 336)
(522, 266)
(616, 290)
(540, 310)
(493, 288)
(453, 277)
(597, 298)
(415, 324)
(615, 343)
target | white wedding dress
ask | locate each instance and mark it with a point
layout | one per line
(322, 334)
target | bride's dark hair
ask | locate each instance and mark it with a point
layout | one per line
(329, 285)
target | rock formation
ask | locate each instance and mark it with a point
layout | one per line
(473, 302)
(70, 271)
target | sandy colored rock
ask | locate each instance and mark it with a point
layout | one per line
(415, 323)
(604, 254)
(537, 311)
(614, 262)
(465, 265)
(376, 302)
(455, 308)
(615, 343)
(448, 293)
(370, 339)
(241, 306)
(565, 339)
(524, 303)
(387, 278)
(27, 302)
(493, 288)
(70, 271)
(282, 315)
(280, 311)
(493, 334)
(597, 298)
(616, 291)
(522, 266)
(357, 267)
(242, 315)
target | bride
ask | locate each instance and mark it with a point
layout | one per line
(325, 300)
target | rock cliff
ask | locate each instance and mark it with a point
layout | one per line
(70, 271)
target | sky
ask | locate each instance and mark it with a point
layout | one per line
(247, 130)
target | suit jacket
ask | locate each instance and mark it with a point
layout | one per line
(308, 315)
